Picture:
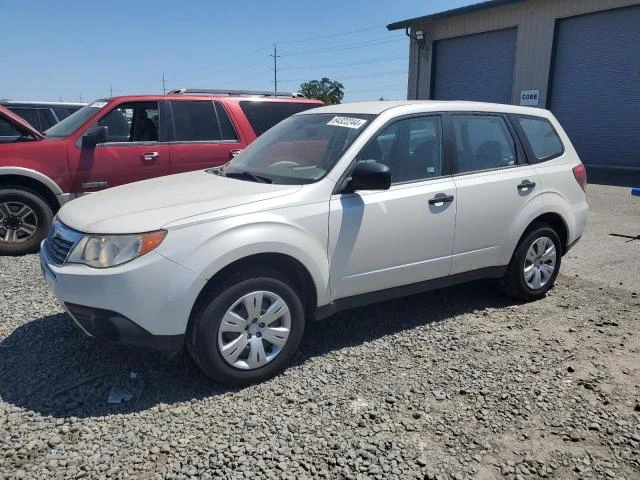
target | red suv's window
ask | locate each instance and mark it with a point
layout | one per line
(264, 115)
(132, 122)
(201, 120)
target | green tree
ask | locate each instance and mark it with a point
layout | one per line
(329, 91)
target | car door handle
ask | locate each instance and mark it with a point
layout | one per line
(149, 156)
(234, 153)
(526, 184)
(441, 198)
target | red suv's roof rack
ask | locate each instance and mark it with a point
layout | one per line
(255, 93)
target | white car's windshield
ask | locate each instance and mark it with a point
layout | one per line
(301, 149)
(73, 122)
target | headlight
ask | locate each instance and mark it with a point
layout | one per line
(103, 251)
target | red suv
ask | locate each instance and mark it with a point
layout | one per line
(121, 140)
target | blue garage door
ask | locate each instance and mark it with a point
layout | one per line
(595, 87)
(475, 67)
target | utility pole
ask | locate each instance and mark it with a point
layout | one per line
(111, 90)
(81, 96)
(164, 88)
(275, 67)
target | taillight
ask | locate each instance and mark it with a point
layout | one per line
(581, 176)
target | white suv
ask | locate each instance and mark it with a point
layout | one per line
(335, 207)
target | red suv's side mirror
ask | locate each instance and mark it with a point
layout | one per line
(94, 136)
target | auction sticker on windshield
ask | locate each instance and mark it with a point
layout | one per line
(347, 122)
(98, 104)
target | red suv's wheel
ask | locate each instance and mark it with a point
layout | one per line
(25, 219)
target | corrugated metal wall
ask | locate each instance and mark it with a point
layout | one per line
(595, 88)
(475, 67)
(535, 20)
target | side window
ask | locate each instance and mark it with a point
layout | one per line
(264, 115)
(62, 112)
(46, 118)
(30, 115)
(227, 131)
(542, 137)
(132, 122)
(482, 142)
(195, 121)
(411, 148)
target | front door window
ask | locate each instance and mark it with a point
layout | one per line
(132, 122)
(411, 148)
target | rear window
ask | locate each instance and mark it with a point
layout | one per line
(264, 115)
(542, 138)
(201, 121)
(195, 121)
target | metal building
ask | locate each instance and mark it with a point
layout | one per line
(578, 58)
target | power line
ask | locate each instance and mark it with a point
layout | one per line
(234, 68)
(224, 72)
(224, 62)
(347, 64)
(232, 64)
(350, 77)
(346, 46)
(322, 37)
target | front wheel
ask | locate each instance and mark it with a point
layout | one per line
(248, 330)
(25, 219)
(535, 264)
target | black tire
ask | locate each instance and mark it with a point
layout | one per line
(42, 212)
(513, 283)
(202, 336)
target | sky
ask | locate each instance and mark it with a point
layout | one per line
(83, 50)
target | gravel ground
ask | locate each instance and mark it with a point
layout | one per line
(614, 221)
(456, 384)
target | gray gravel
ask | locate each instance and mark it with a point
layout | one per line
(607, 252)
(456, 384)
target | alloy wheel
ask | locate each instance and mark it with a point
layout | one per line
(18, 222)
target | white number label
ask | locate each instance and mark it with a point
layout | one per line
(346, 122)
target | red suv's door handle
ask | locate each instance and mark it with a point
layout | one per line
(234, 153)
(150, 156)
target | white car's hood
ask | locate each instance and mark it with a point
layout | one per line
(151, 204)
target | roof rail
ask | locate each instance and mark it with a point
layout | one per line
(255, 93)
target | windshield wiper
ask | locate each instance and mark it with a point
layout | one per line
(248, 176)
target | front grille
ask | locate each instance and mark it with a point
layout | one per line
(60, 241)
(58, 249)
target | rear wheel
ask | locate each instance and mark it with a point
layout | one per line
(25, 219)
(249, 328)
(535, 264)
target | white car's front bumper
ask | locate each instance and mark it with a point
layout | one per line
(146, 302)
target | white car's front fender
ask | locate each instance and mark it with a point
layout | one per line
(207, 248)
